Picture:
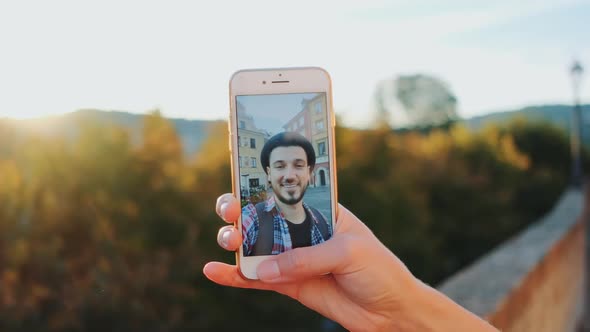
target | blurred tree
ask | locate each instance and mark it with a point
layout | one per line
(103, 232)
(414, 101)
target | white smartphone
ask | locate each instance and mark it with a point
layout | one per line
(281, 133)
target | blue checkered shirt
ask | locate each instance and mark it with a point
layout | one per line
(282, 237)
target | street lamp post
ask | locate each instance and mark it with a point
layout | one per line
(576, 72)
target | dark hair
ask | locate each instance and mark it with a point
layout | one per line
(287, 139)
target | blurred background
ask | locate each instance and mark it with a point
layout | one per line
(457, 123)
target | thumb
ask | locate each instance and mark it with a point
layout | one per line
(302, 263)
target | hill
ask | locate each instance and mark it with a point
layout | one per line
(194, 132)
(559, 115)
(191, 132)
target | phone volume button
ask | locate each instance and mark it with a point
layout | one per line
(333, 119)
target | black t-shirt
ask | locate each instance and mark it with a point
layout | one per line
(301, 233)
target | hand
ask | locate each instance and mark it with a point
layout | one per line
(352, 279)
(359, 291)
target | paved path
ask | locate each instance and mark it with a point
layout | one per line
(319, 198)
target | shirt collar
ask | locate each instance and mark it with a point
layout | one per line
(271, 204)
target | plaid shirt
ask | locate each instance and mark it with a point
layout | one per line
(282, 237)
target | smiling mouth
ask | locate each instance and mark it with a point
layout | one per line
(288, 186)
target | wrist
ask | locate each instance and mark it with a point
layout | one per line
(426, 309)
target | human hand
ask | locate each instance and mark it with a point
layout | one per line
(352, 279)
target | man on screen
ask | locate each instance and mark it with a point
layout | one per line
(284, 222)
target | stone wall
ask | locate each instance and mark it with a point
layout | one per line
(533, 282)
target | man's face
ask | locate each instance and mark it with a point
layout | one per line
(288, 173)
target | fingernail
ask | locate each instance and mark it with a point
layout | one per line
(225, 239)
(268, 270)
(223, 208)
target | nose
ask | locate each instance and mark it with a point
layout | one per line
(289, 174)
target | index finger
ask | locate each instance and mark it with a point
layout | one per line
(228, 208)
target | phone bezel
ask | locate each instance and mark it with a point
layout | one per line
(293, 80)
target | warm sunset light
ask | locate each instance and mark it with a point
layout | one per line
(447, 191)
(62, 56)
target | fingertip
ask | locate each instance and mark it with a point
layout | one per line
(221, 200)
(215, 271)
(235, 240)
(268, 270)
(225, 274)
(224, 238)
(229, 238)
(231, 210)
(207, 269)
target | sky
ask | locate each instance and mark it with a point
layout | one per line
(271, 112)
(177, 56)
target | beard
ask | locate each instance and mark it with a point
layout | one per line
(292, 199)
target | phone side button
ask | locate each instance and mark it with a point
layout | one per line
(333, 119)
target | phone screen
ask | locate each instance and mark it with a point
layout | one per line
(284, 171)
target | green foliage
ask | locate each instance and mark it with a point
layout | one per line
(103, 233)
(441, 198)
